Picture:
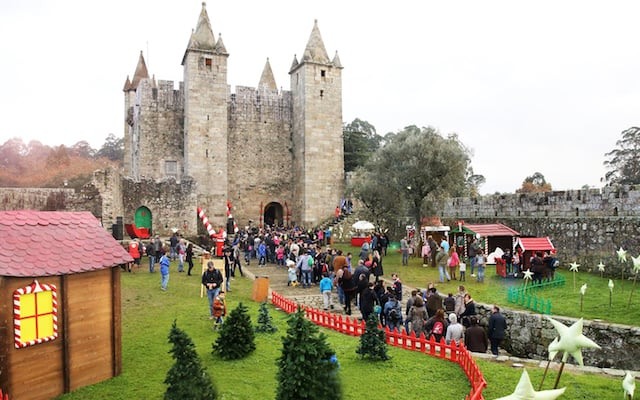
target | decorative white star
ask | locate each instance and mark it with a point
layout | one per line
(629, 385)
(524, 391)
(572, 341)
(583, 289)
(610, 285)
(528, 275)
(622, 255)
(636, 264)
(574, 266)
(552, 354)
(601, 267)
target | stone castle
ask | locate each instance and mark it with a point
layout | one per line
(276, 156)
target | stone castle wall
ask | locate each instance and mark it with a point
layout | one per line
(529, 335)
(260, 151)
(586, 226)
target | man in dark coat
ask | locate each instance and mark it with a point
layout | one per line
(475, 338)
(368, 299)
(497, 328)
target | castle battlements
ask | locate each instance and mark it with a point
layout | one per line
(614, 201)
(252, 103)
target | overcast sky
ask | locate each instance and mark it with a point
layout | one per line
(529, 86)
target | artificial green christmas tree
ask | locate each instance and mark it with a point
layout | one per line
(307, 367)
(187, 379)
(265, 323)
(237, 339)
(372, 341)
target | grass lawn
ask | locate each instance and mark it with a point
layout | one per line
(565, 299)
(148, 314)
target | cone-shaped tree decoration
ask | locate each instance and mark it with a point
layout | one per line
(372, 341)
(265, 322)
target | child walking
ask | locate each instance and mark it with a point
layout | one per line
(219, 311)
(292, 273)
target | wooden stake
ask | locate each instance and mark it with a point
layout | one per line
(544, 375)
(632, 289)
(610, 296)
(581, 301)
(559, 375)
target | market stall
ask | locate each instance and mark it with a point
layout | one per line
(529, 247)
(488, 236)
(361, 233)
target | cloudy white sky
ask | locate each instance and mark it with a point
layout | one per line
(529, 86)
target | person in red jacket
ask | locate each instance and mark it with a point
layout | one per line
(135, 252)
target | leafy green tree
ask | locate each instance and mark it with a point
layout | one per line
(623, 162)
(412, 174)
(306, 367)
(372, 341)
(535, 183)
(360, 141)
(265, 322)
(187, 378)
(237, 339)
(113, 149)
(473, 182)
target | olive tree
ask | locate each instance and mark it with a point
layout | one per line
(415, 170)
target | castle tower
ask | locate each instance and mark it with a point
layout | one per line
(318, 151)
(205, 117)
(132, 113)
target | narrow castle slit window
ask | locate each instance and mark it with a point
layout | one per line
(321, 93)
(171, 168)
(323, 73)
(208, 62)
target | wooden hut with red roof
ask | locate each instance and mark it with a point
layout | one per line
(59, 303)
(491, 236)
(531, 245)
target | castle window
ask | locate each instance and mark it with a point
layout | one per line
(35, 314)
(171, 168)
(321, 93)
(208, 62)
(323, 73)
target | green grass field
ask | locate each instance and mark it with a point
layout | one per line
(148, 314)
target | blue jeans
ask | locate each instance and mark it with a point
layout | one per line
(442, 271)
(152, 263)
(481, 273)
(340, 294)
(181, 263)
(306, 278)
(164, 281)
(211, 295)
(472, 261)
(405, 256)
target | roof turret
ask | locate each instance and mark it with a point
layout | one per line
(267, 81)
(315, 50)
(202, 38)
(141, 72)
(336, 61)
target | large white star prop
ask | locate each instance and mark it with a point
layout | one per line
(583, 289)
(601, 267)
(552, 354)
(524, 391)
(629, 385)
(622, 255)
(574, 267)
(527, 275)
(572, 341)
(610, 285)
(636, 264)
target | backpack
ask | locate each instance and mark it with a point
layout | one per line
(438, 328)
(393, 315)
(310, 261)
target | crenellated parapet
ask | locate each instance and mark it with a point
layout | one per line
(615, 201)
(249, 103)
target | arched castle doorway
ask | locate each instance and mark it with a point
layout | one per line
(273, 214)
(143, 218)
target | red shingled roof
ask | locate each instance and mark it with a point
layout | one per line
(487, 230)
(46, 243)
(535, 243)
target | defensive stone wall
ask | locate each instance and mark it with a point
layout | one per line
(529, 335)
(586, 226)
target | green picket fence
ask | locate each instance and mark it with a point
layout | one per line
(527, 296)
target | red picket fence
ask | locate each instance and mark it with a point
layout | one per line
(455, 352)
(3, 397)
